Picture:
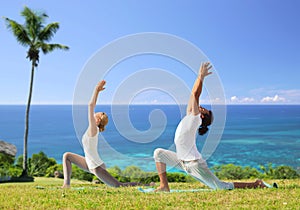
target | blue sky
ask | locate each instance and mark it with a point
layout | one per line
(253, 44)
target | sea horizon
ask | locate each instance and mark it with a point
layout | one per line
(253, 135)
(161, 104)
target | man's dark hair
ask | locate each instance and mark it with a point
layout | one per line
(206, 121)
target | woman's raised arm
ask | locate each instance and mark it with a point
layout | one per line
(92, 130)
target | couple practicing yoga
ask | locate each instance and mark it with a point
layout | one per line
(186, 158)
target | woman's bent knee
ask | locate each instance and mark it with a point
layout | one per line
(66, 155)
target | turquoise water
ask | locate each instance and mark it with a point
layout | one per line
(254, 135)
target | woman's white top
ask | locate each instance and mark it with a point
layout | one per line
(90, 147)
(185, 138)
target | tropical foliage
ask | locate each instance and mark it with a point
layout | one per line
(40, 165)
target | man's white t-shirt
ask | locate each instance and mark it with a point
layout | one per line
(185, 138)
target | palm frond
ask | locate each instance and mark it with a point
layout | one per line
(19, 31)
(33, 22)
(47, 48)
(34, 34)
(48, 32)
(31, 15)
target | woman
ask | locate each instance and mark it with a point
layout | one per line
(187, 157)
(91, 162)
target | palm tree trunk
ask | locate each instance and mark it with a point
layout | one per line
(25, 165)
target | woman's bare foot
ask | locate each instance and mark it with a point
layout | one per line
(65, 186)
(162, 189)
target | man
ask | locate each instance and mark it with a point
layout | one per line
(187, 156)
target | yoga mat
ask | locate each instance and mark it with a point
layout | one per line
(151, 190)
(58, 188)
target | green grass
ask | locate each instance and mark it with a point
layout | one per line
(45, 193)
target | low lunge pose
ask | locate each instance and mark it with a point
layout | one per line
(91, 162)
(187, 157)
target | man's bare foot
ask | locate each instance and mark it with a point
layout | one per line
(162, 189)
(65, 186)
(260, 183)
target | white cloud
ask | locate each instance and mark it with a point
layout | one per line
(293, 94)
(248, 100)
(235, 99)
(269, 99)
(268, 95)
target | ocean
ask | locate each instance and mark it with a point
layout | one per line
(253, 135)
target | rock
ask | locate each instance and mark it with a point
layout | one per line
(8, 149)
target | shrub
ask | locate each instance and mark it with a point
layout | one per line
(19, 161)
(15, 171)
(279, 172)
(268, 171)
(285, 172)
(231, 171)
(176, 177)
(50, 171)
(78, 173)
(115, 172)
(39, 163)
(133, 174)
(6, 162)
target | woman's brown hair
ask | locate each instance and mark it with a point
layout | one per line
(103, 123)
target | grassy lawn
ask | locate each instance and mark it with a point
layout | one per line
(44, 193)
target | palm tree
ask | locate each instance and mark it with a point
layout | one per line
(34, 35)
